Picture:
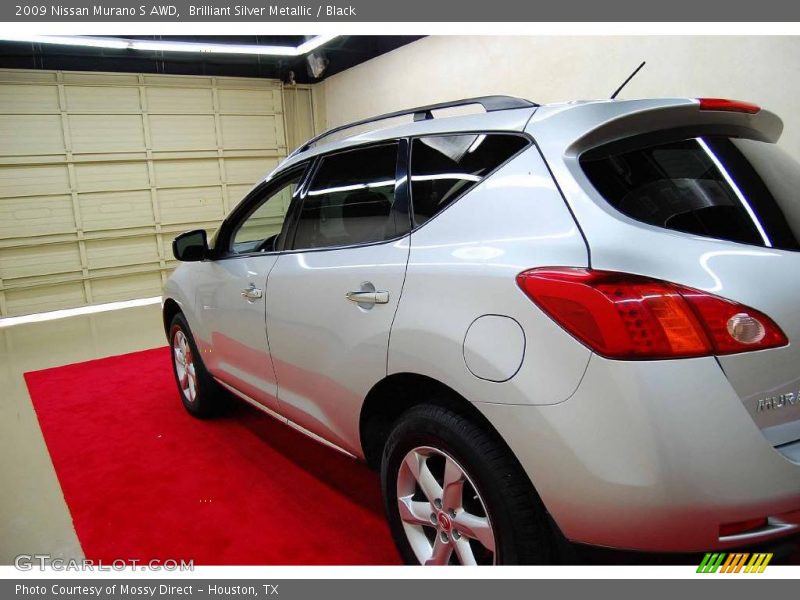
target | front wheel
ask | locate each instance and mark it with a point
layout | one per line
(455, 495)
(201, 395)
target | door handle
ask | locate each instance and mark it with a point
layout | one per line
(368, 297)
(252, 293)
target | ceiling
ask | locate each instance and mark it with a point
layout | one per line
(342, 53)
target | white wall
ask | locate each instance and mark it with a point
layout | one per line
(764, 70)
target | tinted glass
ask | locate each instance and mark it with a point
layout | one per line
(259, 231)
(732, 189)
(351, 199)
(445, 167)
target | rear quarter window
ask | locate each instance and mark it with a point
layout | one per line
(726, 188)
(445, 167)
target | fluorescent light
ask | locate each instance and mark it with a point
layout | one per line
(212, 48)
(69, 40)
(314, 43)
(73, 312)
(171, 46)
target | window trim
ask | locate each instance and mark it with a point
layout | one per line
(521, 134)
(250, 203)
(401, 192)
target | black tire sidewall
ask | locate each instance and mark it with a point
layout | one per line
(417, 428)
(203, 405)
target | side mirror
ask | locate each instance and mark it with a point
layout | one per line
(190, 246)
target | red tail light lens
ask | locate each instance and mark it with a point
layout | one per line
(625, 316)
(728, 105)
(727, 529)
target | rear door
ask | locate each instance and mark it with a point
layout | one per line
(332, 295)
(731, 210)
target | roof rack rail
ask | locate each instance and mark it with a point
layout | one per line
(422, 113)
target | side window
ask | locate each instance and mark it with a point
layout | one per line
(444, 167)
(260, 229)
(351, 200)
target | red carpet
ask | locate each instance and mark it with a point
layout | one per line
(144, 480)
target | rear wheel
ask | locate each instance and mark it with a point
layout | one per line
(454, 494)
(201, 395)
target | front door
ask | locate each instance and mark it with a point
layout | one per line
(333, 294)
(232, 303)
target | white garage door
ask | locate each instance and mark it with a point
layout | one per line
(99, 172)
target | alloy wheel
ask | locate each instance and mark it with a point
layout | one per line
(443, 515)
(184, 365)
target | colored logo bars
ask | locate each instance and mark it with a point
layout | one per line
(734, 563)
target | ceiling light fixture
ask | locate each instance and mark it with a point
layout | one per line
(172, 46)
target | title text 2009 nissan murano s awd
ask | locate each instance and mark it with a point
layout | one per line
(572, 321)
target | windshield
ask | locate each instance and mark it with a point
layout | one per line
(733, 189)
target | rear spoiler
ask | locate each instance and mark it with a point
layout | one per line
(695, 117)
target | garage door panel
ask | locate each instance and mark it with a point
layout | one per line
(102, 99)
(126, 287)
(115, 252)
(183, 132)
(108, 176)
(99, 172)
(114, 210)
(174, 173)
(32, 180)
(249, 132)
(31, 134)
(44, 297)
(237, 192)
(106, 133)
(262, 227)
(299, 102)
(178, 81)
(179, 100)
(185, 205)
(100, 79)
(36, 216)
(248, 170)
(248, 101)
(28, 99)
(45, 259)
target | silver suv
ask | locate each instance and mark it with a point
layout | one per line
(572, 321)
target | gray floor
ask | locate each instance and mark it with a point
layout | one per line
(33, 515)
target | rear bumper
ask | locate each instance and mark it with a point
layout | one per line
(653, 456)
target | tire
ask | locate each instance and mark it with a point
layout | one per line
(488, 504)
(202, 397)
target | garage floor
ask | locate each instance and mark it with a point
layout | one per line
(33, 515)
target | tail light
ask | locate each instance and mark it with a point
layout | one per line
(625, 316)
(728, 529)
(728, 105)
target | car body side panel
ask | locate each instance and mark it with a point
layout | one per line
(651, 455)
(759, 277)
(463, 265)
(181, 287)
(327, 351)
(235, 327)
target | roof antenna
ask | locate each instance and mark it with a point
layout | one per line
(624, 83)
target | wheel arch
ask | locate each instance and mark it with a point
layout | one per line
(168, 312)
(396, 393)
